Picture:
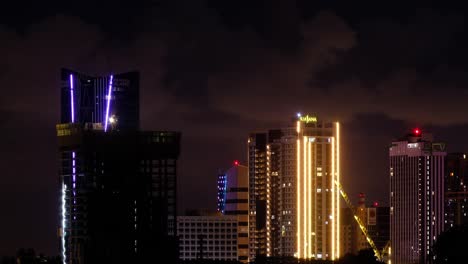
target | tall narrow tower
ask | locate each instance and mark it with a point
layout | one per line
(294, 202)
(416, 196)
(237, 193)
(311, 173)
(264, 195)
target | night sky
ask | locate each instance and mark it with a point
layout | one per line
(216, 70)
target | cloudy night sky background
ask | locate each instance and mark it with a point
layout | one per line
(217, 70)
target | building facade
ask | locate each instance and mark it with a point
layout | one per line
(377, 223)
(118, 184)
(221, 197)
(264, 166)
(311, 200)
(211, 237)
(257, 158)
(237, 204)
(416, 196)
(456, 192)
(378, 226)
(294, 170)
(273, 206)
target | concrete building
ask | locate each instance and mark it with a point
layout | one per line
(207, 236)
(237, 204)
(416, 196)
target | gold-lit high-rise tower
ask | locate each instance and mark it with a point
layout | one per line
(317, 202)
(302, 200)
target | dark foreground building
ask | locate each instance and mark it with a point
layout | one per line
(118, 186)
(456, 192)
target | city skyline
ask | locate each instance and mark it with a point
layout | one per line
(218, 71)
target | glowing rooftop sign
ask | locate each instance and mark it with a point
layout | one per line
(308, 119)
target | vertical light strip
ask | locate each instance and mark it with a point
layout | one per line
(72, 99)
(298, 127)
(268, 201)
(64, 222)
(314, 203)
(309, 198)
(338, 238)
(225, 192)
(74, 180)
(304, 176)
(333, 197)
(298, 202)
(108, 102)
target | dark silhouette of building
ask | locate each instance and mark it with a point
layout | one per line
(264, 199)
(257, 159)
(456, 192)
(118, 184)
(378, 225)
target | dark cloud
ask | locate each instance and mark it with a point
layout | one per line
(217, 71)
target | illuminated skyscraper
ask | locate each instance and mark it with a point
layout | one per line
(416, 196)
(298, 166)
(118, 184)
(309, 176)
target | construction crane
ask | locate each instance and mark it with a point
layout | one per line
(378, 254)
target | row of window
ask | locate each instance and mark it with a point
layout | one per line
(209, 242)
(228, 255)
(208, 230)
(186, 224)
(216, 249)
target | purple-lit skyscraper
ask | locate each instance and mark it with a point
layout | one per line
(110, 101)
(118, 184)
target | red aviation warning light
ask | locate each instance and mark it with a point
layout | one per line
(417, 132)
(236, 163)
